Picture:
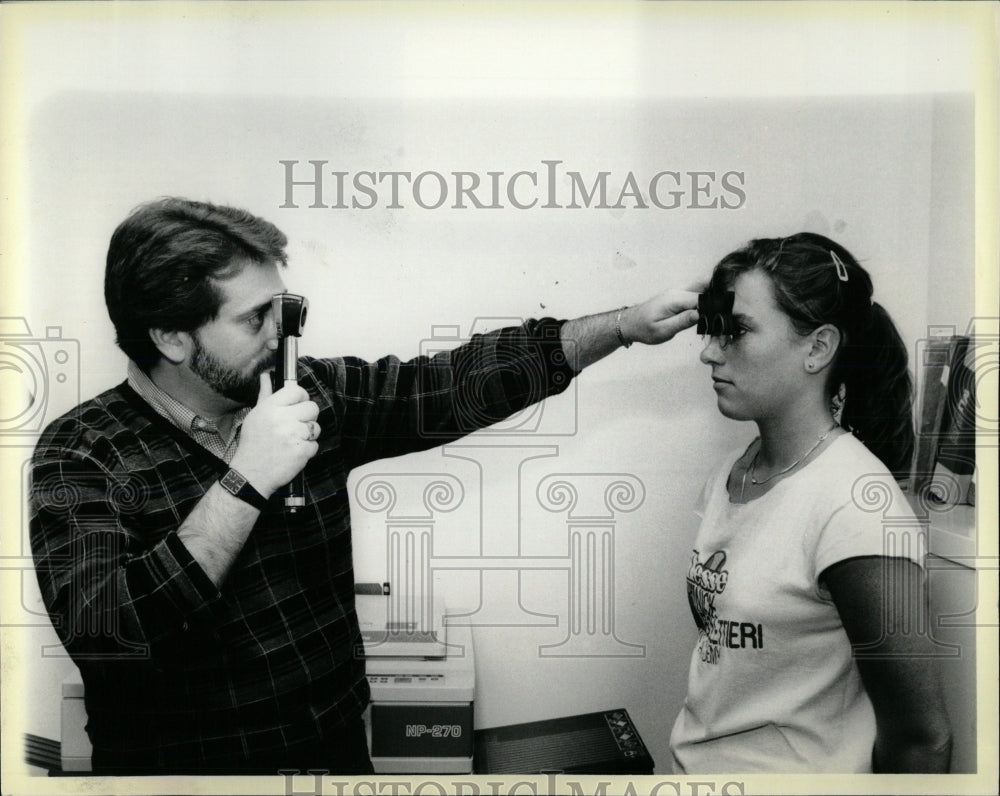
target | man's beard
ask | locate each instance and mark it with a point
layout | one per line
(233, 384)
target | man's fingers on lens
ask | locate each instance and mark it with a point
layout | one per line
(683, 300)
(668, 327)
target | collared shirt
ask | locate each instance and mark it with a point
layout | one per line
(203, 430)
(181, 676)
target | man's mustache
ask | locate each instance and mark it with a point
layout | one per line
(266, 364)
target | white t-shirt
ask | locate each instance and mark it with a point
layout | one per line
(772, 684)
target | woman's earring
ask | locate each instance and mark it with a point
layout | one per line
(811, 365)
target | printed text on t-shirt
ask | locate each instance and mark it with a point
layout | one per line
(705, 582)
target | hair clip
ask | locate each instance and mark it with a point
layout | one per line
(839, 265)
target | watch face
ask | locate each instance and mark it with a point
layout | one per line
(233, 481)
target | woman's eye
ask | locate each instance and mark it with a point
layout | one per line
(736, 335)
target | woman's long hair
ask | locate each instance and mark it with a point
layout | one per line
(817, 281)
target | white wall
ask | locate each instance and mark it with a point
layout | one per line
(867, 170)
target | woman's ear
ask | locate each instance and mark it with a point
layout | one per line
(173, 345)
(825, 342)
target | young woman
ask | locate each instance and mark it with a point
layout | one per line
(810, 655)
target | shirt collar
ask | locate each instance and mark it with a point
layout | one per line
(169, 407)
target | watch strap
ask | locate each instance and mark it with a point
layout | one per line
(237, 485)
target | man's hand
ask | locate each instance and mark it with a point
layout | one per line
(588, 339)
(278, 437)
(660, 318)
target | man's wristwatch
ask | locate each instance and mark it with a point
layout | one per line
(238, 486)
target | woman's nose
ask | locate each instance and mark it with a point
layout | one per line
(712, 354)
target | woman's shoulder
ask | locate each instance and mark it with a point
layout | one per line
(849, 455)
(861, 510)
(849, 472)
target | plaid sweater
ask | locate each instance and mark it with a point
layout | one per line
(179, 672)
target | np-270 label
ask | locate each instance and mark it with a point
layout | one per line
(434, 730)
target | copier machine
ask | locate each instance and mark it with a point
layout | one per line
(422, 677)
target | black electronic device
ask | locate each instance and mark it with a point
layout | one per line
(289, 312)
(715, 313)
(606, 742)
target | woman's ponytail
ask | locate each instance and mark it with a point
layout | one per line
(877, 400)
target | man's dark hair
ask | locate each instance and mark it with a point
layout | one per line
(164, 261)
